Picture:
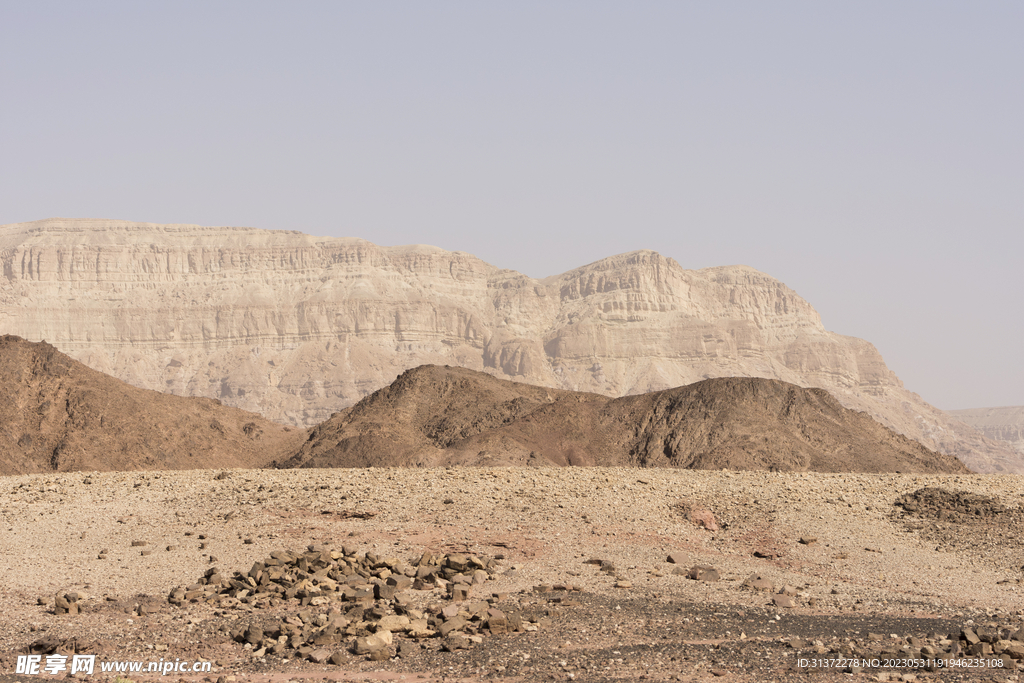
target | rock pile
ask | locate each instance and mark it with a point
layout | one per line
(67, 603)
(357, 602)
(954, 506)
(989, 642)
(985, 641)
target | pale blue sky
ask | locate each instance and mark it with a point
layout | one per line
(868, 154)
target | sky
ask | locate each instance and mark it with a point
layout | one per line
(870, 155)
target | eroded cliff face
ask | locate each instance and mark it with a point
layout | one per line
(1003, 424)
(297, 327)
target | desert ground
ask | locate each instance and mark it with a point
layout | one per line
(809, 567)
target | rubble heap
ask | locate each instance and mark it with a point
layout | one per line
(358, 602)
(992, 640)
(954, 506)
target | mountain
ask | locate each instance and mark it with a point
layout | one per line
(296, 327)
(435, 415)
(1002, 424)
(58, 415)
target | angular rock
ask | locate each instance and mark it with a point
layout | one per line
(378, 641)
(705, 519)
(783, 601)
(703, 572)
(454, 624)
(758, 582)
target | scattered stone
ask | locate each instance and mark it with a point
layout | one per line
(783, 601)
(758, 583)
(808, 540)
(705, 519)
(703, 572)
(676, 558)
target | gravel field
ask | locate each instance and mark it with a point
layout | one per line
(855, 565)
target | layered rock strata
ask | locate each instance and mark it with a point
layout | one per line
(1001, 424)
(297, 327)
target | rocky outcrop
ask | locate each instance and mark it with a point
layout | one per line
(1002, 424)
(297, 327)
(434, 415)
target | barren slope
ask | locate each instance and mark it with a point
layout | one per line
(295, 327)
(442, 415)
(57, 414)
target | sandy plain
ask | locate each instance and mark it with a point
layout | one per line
(871, 570)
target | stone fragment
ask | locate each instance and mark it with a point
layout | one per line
(676, 558)
(454, 624)
(367, 644)
(456, 641)
(783, 601)
(758, 582)
(705, 519)
(394, 622)
(703, 572)
(808, 540)
(253, 634)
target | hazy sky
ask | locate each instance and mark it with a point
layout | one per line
(868, 154)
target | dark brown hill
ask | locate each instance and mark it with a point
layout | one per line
(435, 415)
(58, 415)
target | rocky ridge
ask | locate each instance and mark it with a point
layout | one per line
(295, 327)
(434, 415)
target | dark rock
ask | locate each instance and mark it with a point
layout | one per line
(703, 572)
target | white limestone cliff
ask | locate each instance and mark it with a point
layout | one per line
(297, 327)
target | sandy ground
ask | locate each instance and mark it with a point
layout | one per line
(867, 572)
